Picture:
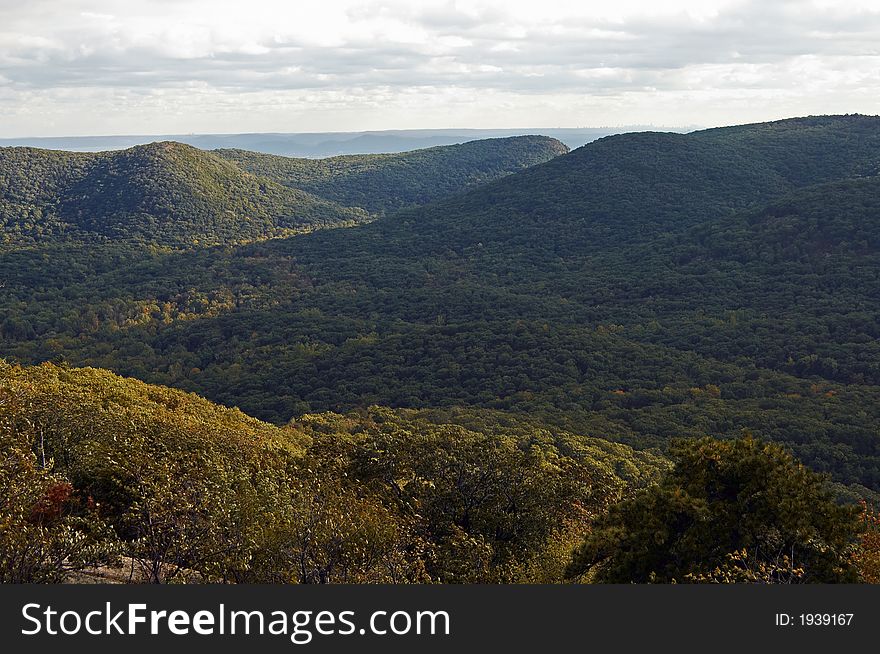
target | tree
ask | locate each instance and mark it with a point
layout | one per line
(47, 531)
(867, 555)
(742, 507)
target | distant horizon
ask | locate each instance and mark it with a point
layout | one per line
(377, 131)
(391, 130)
(410, 130)
(328, 144)
(100, 68)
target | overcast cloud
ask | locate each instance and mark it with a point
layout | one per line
(170, 66)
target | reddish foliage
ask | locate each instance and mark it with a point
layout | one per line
(51, 505)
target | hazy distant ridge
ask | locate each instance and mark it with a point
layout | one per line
(324, 144)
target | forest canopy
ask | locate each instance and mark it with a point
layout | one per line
(482, 368)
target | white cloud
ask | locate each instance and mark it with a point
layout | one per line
(98, 66)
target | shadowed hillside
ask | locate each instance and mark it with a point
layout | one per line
(382, 183)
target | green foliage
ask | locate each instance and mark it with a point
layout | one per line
(808, 150)
(629, 290)
(48, 530)
(175, 195)
(486, 504)
(197, 492)
(164, 193)
(178, 478)
(384, 183)
(727, 511)
(642, 288)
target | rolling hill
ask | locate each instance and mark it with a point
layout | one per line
(641, 288)
(320, 144)
(175, 195)
(165, 193)
(384, 183)
(95, 467)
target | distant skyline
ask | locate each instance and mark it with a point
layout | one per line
(102, 67)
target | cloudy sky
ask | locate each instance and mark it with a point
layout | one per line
(80, 67)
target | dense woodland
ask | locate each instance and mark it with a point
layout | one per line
(463, 369)
(191, 491)
(176, 195)
(383, 183)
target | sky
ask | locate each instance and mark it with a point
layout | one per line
(98, 67)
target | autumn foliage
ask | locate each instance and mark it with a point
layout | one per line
(867, 556)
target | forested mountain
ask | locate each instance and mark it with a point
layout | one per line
(381, 183)
(163, 193)
(642, 288)
(807, 150)
(175, 195)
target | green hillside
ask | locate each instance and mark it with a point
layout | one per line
(171, 194)
(807, 150)
(383, 183)
(637, 187)
(164, 193)
(644, 287)
(94, 467)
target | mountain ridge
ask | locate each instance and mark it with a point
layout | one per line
(167, 192)
(176, 195)
(642, 288)
(344, 178)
